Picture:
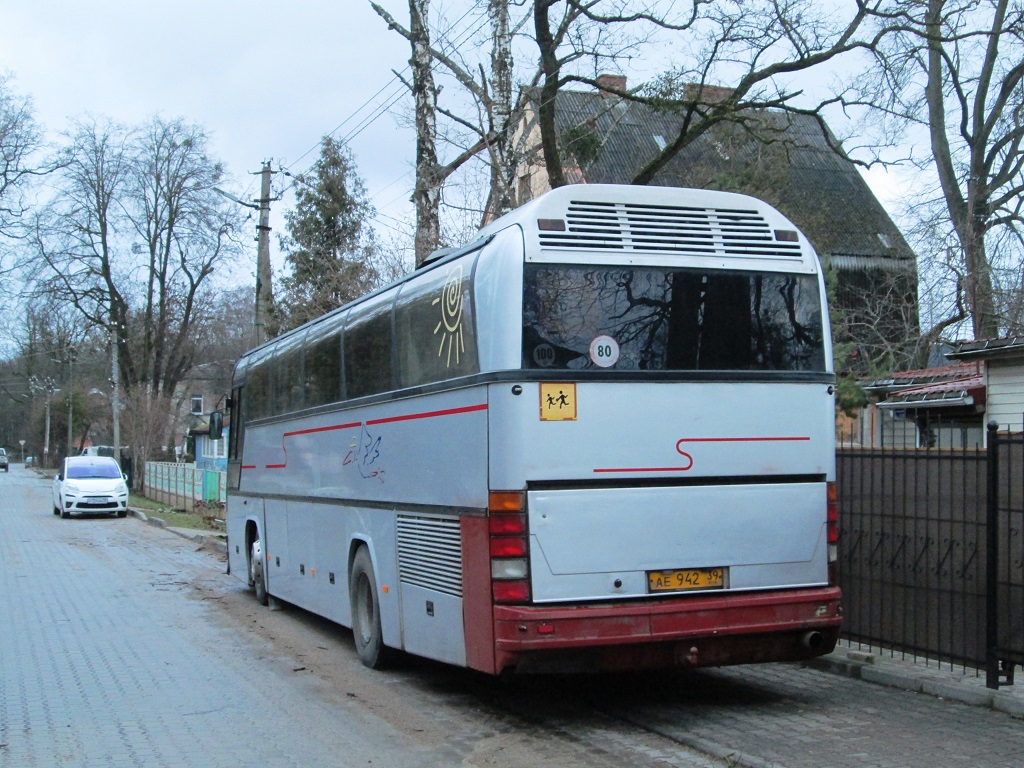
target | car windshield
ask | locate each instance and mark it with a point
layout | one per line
(82, 471)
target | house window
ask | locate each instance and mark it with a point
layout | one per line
(197, 405)
(217, 449)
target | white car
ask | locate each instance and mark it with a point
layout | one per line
(90, 484)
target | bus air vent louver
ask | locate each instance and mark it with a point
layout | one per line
(687, 230)
(430, 553)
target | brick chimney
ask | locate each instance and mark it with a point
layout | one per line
(706, 94)
(618, 82)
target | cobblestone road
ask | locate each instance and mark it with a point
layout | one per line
(122, 645)
(106, 660)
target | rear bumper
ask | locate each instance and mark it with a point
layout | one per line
(780, 625)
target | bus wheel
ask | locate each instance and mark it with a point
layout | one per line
(259, 584)
(366, 613)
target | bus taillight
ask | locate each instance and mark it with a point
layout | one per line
(832, 512)
(510, 569)
(832, 532)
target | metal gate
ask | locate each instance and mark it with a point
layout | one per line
(1004, 576)
(931, 552)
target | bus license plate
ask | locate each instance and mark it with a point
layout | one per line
(686, 578)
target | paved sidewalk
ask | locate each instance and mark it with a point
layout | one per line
(917, 674)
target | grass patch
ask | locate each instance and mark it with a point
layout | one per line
(146, 505)
(176, 518)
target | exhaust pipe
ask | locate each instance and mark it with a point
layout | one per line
(812, 640)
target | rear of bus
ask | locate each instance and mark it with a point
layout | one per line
(661, 455)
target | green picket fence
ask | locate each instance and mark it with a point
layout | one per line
(183, 486)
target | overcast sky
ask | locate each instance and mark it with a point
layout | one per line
(266, 79)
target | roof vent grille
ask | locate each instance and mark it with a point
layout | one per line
(669, 229)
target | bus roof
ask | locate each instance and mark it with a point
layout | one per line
(723, 229)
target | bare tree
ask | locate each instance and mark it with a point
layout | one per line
(956, 69)
(738, 59)
(131, 239)
(20, 139)
(485, 126)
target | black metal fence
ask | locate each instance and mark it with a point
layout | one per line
(917, 530)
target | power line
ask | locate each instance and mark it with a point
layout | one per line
(391, 99)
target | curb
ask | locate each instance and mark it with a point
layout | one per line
(211, 542)
(861, 666)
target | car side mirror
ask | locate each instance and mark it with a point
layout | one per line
(217, 425)
(60, 476)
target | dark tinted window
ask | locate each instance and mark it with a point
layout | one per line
(434, 325)
(259, 386)
(288, 388)
(237, 422)
(323, 365)
(644, 318)
(368, 351)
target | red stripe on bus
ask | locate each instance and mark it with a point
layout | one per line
(429, 414)
(740, 439)
(644, 469)
(322, 429)
(276, 466)
(248, 466)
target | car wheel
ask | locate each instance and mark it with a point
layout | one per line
(65, 513)
(122, 513)
(366, 628)
(56, 509)
(259, 584)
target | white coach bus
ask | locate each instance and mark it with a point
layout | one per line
(598, 437)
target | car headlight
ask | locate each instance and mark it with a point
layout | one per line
(71, 487)
(121, 488)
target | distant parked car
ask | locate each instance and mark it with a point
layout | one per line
(30, 461)
(89, 484)
(4, 462)
(99, 450)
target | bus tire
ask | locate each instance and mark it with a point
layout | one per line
(259, 583)
(366, 628)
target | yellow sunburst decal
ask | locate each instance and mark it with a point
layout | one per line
(450, 326)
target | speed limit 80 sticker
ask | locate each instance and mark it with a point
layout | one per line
(604, 351)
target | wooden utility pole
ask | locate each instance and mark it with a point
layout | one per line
(264, 289)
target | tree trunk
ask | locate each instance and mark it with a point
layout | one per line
(968, 213)
(426, 195)
(548, 93)
(503, 165)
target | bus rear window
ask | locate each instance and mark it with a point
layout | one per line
(658, 319)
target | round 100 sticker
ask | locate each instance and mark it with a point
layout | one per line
(604, 351)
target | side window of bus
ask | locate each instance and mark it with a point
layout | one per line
(434, 326)
(323, 365)
(288, 387)
(237, 424)
(258, 389)
(367, 349)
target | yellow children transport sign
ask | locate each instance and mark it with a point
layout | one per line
(557, 401)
